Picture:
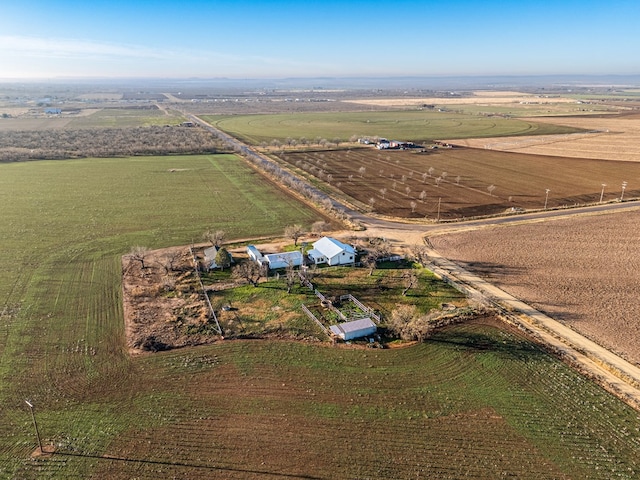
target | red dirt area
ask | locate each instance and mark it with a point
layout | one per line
(583, 271)
(457, 183)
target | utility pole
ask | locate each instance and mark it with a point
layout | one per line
(602, 192)
(35, 425)
(546, 198)
(439, 199)
(624, 185)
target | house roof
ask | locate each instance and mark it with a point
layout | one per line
(284, 257)
(330, 247)
(210, 253)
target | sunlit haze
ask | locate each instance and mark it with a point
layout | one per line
(43, 39)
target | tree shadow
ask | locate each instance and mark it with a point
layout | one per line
(474, 342)
(488, 269)
(185, 465)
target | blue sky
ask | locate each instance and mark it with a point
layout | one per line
(272, 39)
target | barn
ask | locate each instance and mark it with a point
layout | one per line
(355, 329)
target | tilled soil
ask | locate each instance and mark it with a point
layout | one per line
(583, 271)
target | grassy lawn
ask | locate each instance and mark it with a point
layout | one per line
(414, 125)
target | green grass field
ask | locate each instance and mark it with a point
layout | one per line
(126, 117)
(408, 125)
(474, 401)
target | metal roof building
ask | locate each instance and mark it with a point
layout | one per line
(355, 329)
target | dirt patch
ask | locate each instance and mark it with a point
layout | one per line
(162, 309)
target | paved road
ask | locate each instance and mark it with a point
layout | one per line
(613, 372)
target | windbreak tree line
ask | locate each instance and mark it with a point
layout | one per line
(62, 144)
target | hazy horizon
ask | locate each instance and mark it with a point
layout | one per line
(67, 39)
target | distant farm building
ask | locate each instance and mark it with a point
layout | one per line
(355, 329)
(52, 111)
(332, 252)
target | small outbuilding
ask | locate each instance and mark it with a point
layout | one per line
(355, 329)
(254, 254)
(282, 260)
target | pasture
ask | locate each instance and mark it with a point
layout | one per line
(473, 401)
(454, 183)
(406, 125)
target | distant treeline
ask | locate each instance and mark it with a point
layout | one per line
(62, 144)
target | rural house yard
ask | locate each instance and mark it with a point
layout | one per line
(165, 308)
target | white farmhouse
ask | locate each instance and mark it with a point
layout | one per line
(332, 252)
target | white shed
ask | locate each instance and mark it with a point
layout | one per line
(282, 260)
(355, 329)
(254, 253)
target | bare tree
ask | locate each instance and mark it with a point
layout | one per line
(491, 188)
(294, 232)
(361, 171)
(374, 254)
(290, 276)
(319, 227)
(458, 180)
(430, 171)
(372, 202)
(139, 254)
(413, 205)
(408, 324)
(407, 190)
(424, 177)
(419, 253)
(438, 181)
(383, 192)
(169, 260)
(250, 271)
(308, 274)
(423, 195)
(215, 237)
(410, 279)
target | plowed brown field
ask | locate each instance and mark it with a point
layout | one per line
(583, 271)
(456, 181)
